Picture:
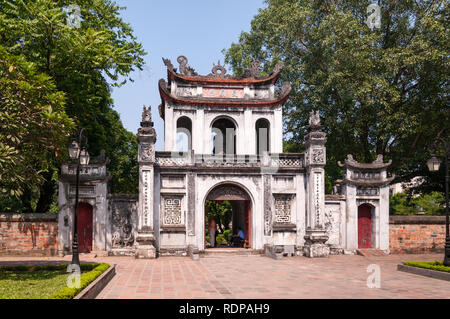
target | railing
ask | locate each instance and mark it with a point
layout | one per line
(170, 159)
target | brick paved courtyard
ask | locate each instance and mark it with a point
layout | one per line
(341, 276)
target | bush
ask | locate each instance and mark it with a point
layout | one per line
(86, 279)
(220, 239)
(433, 265)
(227, 234)
(83, 267)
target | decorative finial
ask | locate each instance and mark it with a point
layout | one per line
(314, 118)
(146, 117)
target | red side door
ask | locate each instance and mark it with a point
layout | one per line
(364, 227)
(84, 228)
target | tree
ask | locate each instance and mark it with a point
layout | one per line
(221, 212)
(379, 92)
(81, 60)
(33, 126)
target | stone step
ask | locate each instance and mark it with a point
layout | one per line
(371, 252)
(216, 252)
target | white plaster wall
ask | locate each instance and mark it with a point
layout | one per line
(300, 209)
(351, 218)
(156, 206)
(384, 219)
(100, 218)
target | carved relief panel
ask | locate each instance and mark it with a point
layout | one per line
(283, 203)
(123, 223)
(146, 152)
(171, 210)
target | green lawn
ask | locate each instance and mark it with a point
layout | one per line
(44, 282)
(40, 284)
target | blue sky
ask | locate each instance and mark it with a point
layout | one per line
(197, 29)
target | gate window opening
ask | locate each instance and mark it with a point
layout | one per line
(227, 224)
(184, 134)
(262, 136)
(223, 137)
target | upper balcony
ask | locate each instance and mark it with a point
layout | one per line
(269, 161)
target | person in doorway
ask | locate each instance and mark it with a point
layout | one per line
(212, 232)
(241, 234)
(238, 240)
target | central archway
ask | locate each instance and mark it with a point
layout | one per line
(241, 209)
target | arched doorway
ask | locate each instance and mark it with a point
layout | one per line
(365, 226)
(240, 205)
(85, 229)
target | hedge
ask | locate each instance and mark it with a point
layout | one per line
(85, 280)
(432, 265)
(83, 267)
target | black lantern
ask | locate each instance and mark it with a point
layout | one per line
(433, 164)
(74, 149)
(82, 157)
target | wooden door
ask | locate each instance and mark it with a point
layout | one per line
(364, 226)
(84, 228)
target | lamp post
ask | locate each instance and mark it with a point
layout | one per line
(82, 157)
(433, 165)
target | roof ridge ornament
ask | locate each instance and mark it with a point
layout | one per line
(218, 70)
(169, 64)
(253, 70)
(185, 69)
(278, 67)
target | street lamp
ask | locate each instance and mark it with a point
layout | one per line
(433, 165)
(82, 157)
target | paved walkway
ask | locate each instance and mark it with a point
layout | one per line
(342, 276)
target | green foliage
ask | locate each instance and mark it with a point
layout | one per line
(220, 211)
(433, 265)
(404, 204)
(227, 234)
(221, 240)
(378, 92)
(33, 124)
(80, 61)
(85, 280)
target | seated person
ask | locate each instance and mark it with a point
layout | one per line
(238, 240)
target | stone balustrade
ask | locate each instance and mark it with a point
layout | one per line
(174, 159)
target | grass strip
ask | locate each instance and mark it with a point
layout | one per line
(432, 265)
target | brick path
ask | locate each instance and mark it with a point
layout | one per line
(342, 276)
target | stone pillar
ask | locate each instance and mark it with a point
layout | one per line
(146, 157)
(315, 160)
